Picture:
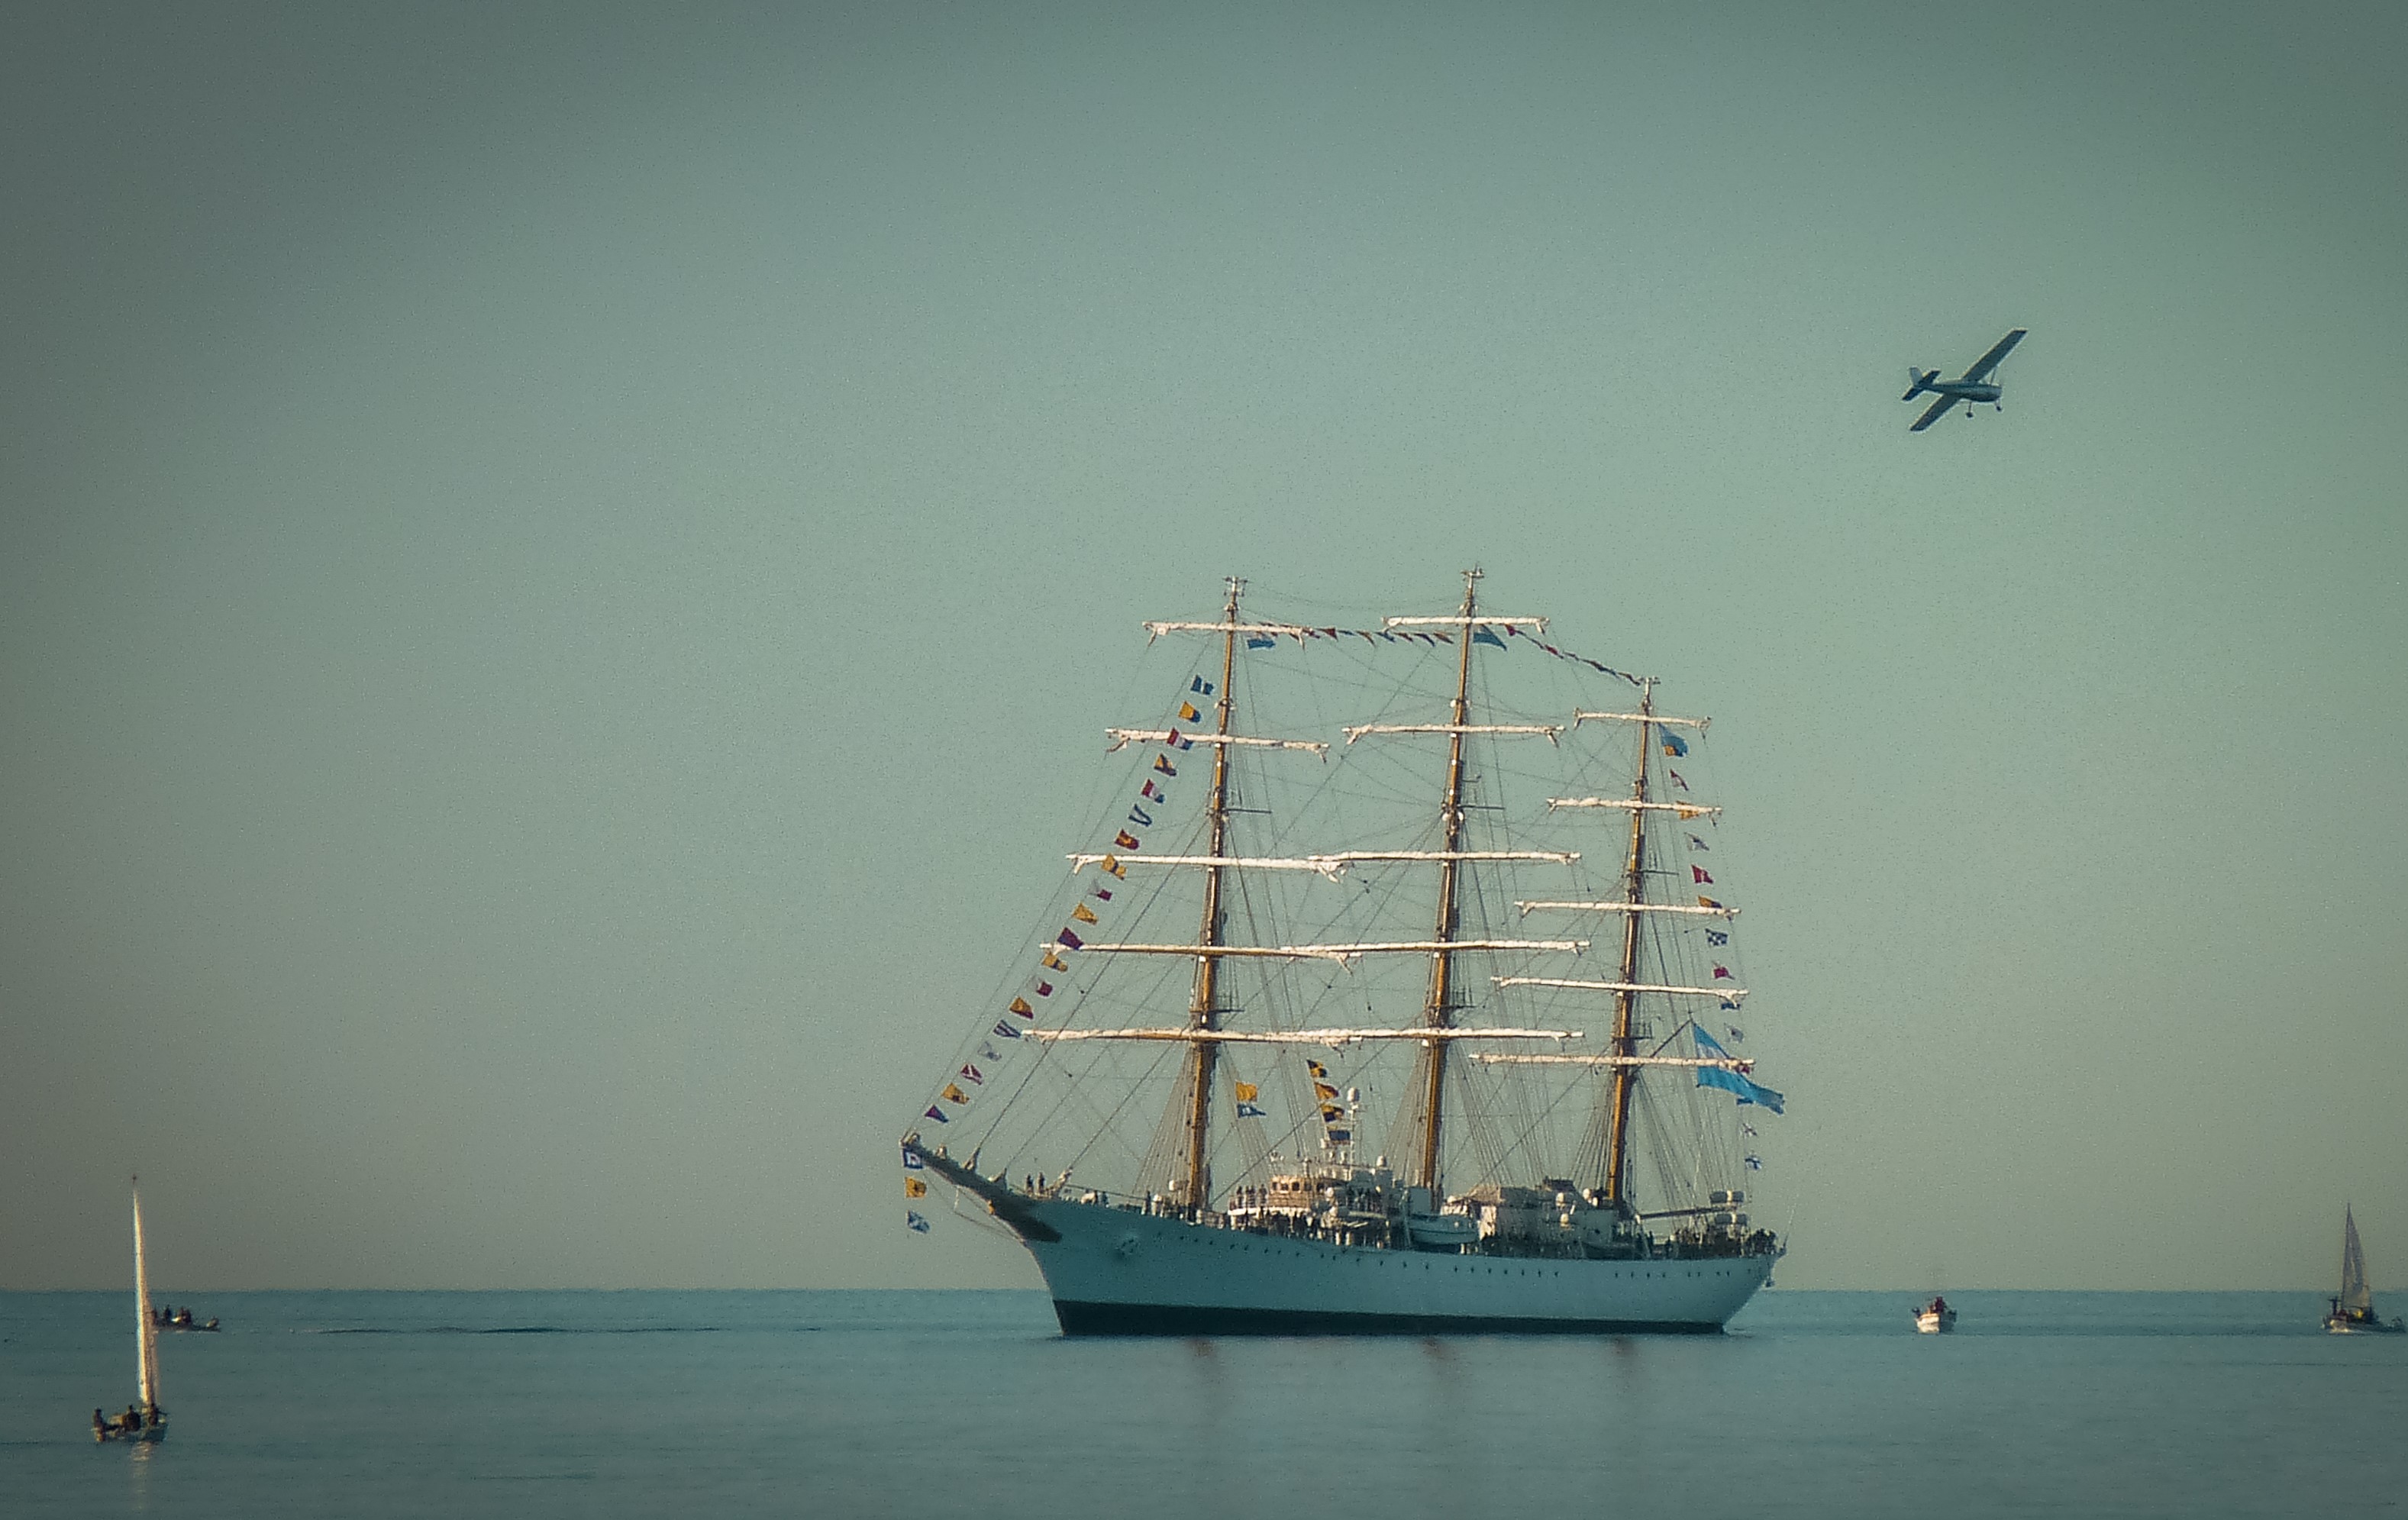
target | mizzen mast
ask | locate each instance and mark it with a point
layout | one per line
(1204, 1007)
(1438, 1013)
(1626, 1000)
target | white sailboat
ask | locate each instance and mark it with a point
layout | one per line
(1304, 951)
(145, 1421)
(2352, 1307)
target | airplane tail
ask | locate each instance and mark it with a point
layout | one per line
(1918, 381)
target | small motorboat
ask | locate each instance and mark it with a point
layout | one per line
(181, 1319)
(2352, 1307)
(1935, 1318)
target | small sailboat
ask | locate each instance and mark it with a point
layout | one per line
(145, 1421)
(2353, 1307)
(1935, 1318)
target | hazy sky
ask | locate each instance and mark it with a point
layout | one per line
(562, 574)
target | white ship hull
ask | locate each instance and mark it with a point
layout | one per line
(1115, 1271)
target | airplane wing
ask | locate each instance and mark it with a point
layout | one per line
(1938, 410)
(1989, 361)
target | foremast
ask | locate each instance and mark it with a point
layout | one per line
(1204, 1008)
(1438, 1012)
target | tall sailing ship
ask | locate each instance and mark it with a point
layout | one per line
(1394, 995)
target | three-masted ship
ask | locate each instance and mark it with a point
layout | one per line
(1399, 1000)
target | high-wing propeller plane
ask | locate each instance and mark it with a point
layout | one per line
(1971, 386)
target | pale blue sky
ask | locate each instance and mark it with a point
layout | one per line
(561, 574)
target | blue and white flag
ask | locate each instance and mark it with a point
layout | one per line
(1696, 843)
(911, 1161)
(1481, 636)
(1756, 1163)
(1717, 937)
(1736, 1083)
(917, 1220)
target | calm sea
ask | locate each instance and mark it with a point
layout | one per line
(934, 1404)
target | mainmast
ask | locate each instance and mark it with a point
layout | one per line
(1625, 1001)
(1204, 1008)
(1437, 1014)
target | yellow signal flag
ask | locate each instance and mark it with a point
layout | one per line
(914, 1188)
(1052, 962)
(953, 1094)
(1688, 812)
(1316, 1068)
(1112, 863)
(1187, 713)
(1323, 1089)
(1083, 914)
(1330, 1111)
(1020, 1006)
(1248, 1092)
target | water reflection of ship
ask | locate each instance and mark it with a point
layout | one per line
(1488, 1076)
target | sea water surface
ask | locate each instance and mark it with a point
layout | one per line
(528, 1405)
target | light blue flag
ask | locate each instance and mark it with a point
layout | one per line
(1731, 1081)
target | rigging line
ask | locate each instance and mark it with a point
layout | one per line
(1067, 1091)
(1112, 1121)
(1477, 1108)
(1544, 1116)
(1023, 1074)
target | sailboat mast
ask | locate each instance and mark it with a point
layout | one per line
(1437, 1014)
(1204, 1008)
(1634, 885)
(145, 1331)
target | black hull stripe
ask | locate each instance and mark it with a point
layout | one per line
(1183, 1319)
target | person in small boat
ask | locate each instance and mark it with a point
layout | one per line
(1938, 1305)
(99, 1422)
(133, 1420)
(184, 1316)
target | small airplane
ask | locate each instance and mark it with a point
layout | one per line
(1973, 385)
